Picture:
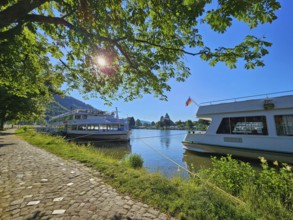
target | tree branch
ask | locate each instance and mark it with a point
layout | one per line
(168, 48)
(120, 39)
(47, 19)
(125, 55)
(64, 16)
(62, 21)
(17, 11)
(64, 64)
(11, 32)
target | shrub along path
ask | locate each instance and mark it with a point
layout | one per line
(35, 184)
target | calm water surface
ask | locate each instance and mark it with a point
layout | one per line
(150, 144)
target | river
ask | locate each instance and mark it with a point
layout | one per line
(154, 146)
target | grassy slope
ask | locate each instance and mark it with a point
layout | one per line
(184, 199)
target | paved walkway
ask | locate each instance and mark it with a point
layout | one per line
(35, 184)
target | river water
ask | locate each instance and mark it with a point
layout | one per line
(154, 146)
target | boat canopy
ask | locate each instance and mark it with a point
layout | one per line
(283, 102)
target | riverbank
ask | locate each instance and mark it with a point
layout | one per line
(187, 199)
(36, 184)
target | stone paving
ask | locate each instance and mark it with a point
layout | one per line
(35, 184)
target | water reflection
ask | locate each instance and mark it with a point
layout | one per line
(165, 138)
(196, 161)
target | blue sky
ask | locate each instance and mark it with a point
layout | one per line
(208, 83)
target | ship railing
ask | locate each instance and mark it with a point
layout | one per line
(196, 132)
(243, 98)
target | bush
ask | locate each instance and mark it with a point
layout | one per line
(276, 182)
(134, 161)
(230, 174)
(267, 192)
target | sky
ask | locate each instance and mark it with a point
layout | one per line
(208, 83)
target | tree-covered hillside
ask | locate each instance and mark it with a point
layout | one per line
(63, 104)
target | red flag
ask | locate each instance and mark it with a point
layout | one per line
(188, 102)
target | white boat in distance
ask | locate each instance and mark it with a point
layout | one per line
(91, 124)
(251, 128)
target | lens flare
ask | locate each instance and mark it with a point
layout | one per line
(101, 61)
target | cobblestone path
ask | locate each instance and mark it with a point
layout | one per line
(35, 184)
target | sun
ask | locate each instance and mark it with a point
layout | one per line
(101, 61)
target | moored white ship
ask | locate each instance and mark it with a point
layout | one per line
(91, 124)
(251, 128)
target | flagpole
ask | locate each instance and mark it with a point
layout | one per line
(195, 103)
(190, 100)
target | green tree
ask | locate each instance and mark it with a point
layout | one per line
(201, 124)
(189, 124)
(27, 78)
(167, 120)
(131, 122)
(179, 124)
(122, 49)
(13, 107)
(138, 123)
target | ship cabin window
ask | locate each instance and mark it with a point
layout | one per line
(113, 127)
(121, 128)
(78, 117)
(92, 127)
(284, 125)
(103, 127)
(81, 127)
(255, 125)
(74, 127)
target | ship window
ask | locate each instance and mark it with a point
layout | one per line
(81, 127)
(113, 127)
(224, 127)
(121, 128)
(74, 127)
(284, 125)
(103, 127)
(255, 125)
(90, 127)
(77, 117)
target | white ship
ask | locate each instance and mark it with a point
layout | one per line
(91, 124)
(252, 128)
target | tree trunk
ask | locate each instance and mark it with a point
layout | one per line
(1, 124)
(2, 120)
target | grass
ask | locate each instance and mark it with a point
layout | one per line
(267, 195)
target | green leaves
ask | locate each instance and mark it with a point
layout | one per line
(251, 12)
(251, 50)
(144, 42)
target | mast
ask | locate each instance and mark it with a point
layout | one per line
(116, 111)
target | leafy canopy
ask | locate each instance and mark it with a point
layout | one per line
(120, 49)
